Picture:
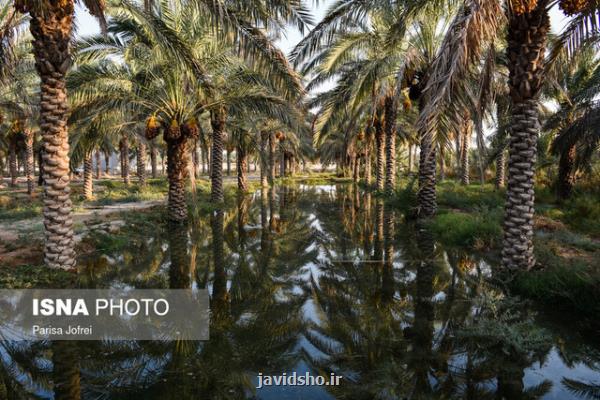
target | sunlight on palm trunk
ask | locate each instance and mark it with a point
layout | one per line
(52, 30)
(391, 110)
(218, 126)
(87, 176)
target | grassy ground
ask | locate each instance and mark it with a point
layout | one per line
(567, 240)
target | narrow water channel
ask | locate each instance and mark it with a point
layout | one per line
(321, 280)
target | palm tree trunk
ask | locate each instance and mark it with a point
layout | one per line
(527, 34)
(464, 152)
(390, 143)
(380, 147)
(12, 160)
(262, 157)
(52, 30)
(566, 177)
(177, 172)
(141, 162)
(272, 145)
(124, 146)
(29, 167)
(87, 176)
(426, 196)
(218, 126)
(98, 166)
(500, 169)
(196, 159)
(153, 159)
(242, 161)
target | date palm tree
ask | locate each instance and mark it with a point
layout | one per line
(572, 124)
(51, 25)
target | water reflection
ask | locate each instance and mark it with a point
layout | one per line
(321, 279)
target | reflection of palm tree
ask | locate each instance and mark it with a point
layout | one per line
(421, 357)
(179, 270)
(66, 373)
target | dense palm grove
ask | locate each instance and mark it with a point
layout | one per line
(414, 84)
(411, 104)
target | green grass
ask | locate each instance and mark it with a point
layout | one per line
(565, 283)
(477, 230)
(35, 276)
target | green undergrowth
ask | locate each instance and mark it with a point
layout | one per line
(35, 276)
(566, 243)
(319, 178)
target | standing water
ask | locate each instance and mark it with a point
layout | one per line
(323, 283)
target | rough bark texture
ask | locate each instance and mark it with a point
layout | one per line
(527, 34)
(29, 167)
(141, 162)
(390, 143)
(87, 176)
(52, 32)
(500, 169)
(426, 196)
(380, 148)
(566, 176)
(264, 176)
(124, 147)
(218, 126)
(153, 160)
(242, 166)
(177, 171)
(464, 151)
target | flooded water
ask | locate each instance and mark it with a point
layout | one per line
(318, 280)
